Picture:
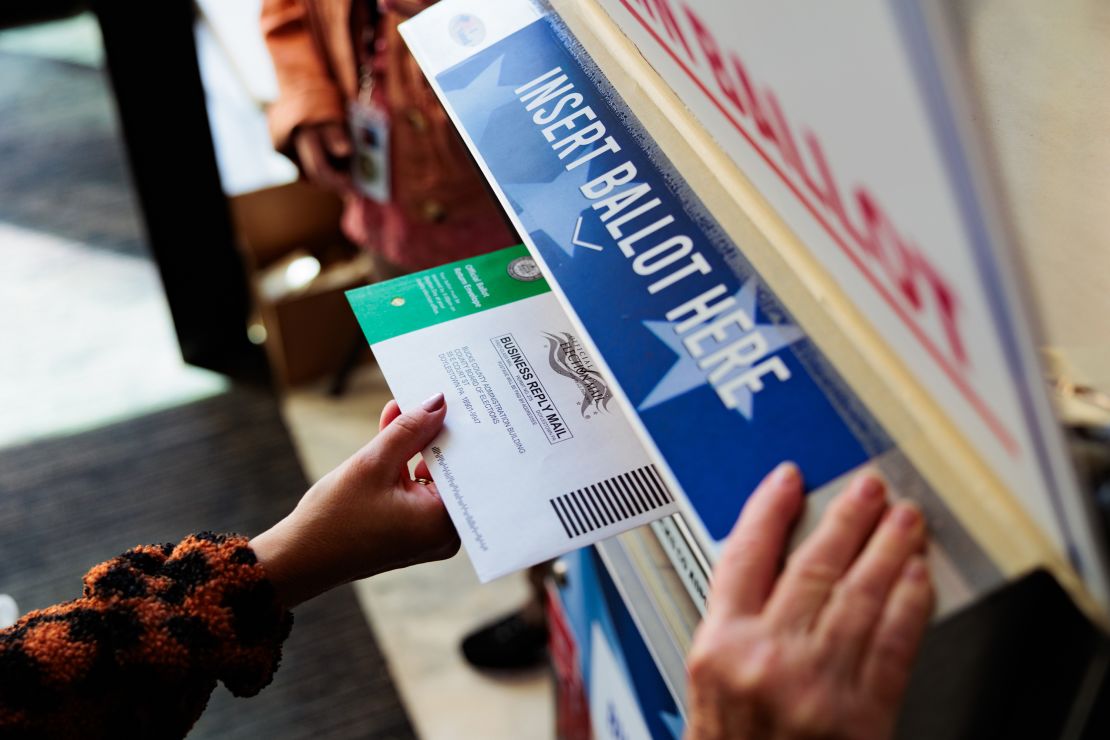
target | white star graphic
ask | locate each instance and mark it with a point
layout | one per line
(685, 375)
(482, 96)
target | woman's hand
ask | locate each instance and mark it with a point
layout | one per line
(824, 649)
(366, 516)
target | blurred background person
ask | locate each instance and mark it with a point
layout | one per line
(356, 114)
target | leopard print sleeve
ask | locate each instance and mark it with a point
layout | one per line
(141, 651)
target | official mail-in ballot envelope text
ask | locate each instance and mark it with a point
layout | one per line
(536, 458)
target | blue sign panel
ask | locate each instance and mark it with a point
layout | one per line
(590, 598)
(726, 385)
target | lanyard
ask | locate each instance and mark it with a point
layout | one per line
(366, 33)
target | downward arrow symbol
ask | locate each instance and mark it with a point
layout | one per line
(578, 242)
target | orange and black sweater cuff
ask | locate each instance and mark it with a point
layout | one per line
(141, 651)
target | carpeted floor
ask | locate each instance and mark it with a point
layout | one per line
(225, 463)
(84, 326)
(64, 168)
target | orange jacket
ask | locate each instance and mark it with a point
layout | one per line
(139, 653)
(440, 209)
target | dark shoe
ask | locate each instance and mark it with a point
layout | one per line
(510, 643)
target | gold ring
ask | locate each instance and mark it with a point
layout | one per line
(422, 481)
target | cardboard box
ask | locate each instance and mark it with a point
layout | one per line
(299, 265)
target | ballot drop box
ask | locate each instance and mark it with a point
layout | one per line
(777, 230)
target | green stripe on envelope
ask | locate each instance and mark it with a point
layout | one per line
(422, 299)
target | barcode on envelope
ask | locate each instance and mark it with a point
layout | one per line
(610, 501)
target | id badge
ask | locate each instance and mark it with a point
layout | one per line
(370, 163)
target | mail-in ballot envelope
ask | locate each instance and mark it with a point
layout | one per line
(536, 458)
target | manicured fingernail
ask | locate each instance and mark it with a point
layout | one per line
(870, 489)
(786, 472)
(906, 517)
(435, 403)
(916, 570)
